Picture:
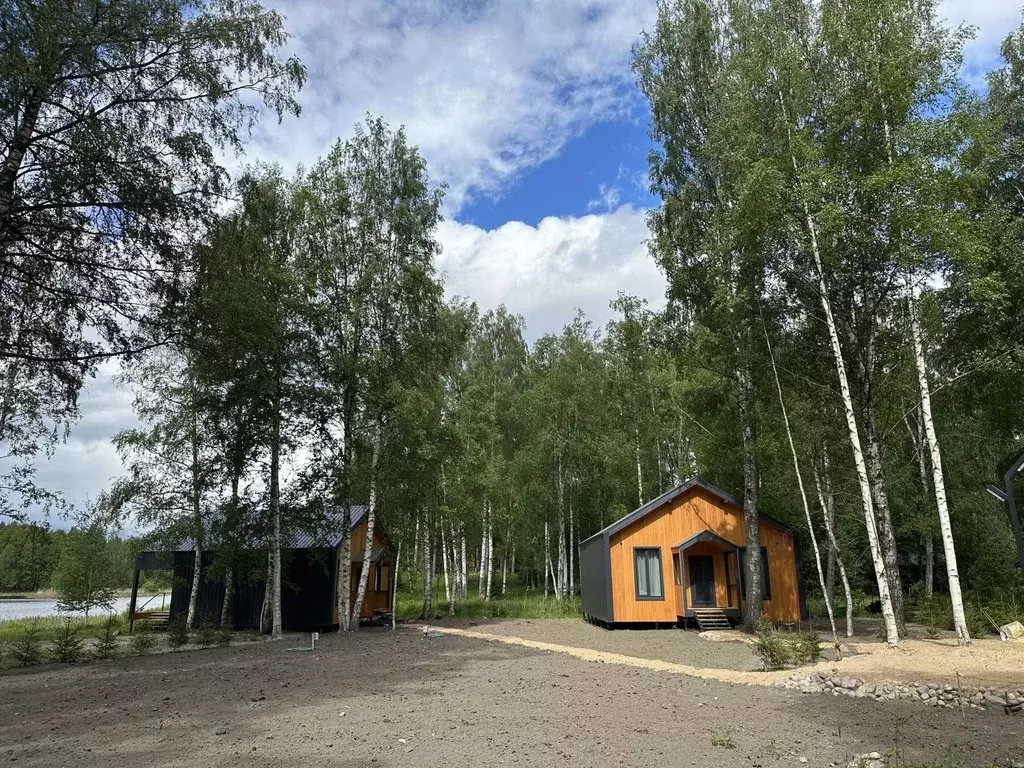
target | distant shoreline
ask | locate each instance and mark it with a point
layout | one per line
(50, 595)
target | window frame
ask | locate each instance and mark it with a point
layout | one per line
(636, 574)
(677, 568)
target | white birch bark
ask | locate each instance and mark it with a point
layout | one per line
(428, 573)
(828, 512)
(277, 630)
(571, 552)
(803, 494)
(888, 615)
(344, 585)
(490, 555)
(444, 566)
(371, 518)
(938, 482)
(394, 584)
(465, 564)
(225, 606)
(193, 597)
(639, 470)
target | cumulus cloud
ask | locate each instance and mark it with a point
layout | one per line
(487, 90)
(548, 271)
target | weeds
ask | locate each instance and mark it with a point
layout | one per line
(68, 643)
(223, 637)
(723, 738)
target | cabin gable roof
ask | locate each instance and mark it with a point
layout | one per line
(656, 503)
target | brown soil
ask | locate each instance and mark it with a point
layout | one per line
(673, 645)
(401, 699)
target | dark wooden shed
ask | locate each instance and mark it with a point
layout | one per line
(309, 575)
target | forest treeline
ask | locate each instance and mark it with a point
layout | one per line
(36, 558)
(840, 223)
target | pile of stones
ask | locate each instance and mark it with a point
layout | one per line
(930, 694)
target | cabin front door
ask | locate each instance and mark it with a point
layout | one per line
(702, 581)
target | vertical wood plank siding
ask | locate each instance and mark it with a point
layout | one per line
(693, 512)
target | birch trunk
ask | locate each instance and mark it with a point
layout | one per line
(371, 518)
(268, 590)
(490, 555)
(465, 564)
(225, 606)
(751, 528)
(193, 597)
(275, 511)
(828, 512)
(571, 552)
(344, 586)
(416, 544)
(891, 630)
(444, 567)
(830, 567)
(428, 574)
(938, 482)
(918, 440)
(803, 495)
(548, 571)
(394, 584)
(639, 471)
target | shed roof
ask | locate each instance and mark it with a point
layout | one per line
(309, 539)
(665, 498)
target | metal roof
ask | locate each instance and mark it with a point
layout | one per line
(679, 490)
(309, 539)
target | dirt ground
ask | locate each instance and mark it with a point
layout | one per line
(399, 699)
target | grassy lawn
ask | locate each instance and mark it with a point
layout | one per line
(92, 628)
(518, 602)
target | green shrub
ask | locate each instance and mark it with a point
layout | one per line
(205, 633)
(142, 640)
(781, 648)
(177, 633)
(27, 648)
(68, 643)
(224, 636)
(106, 644)
(937, 611)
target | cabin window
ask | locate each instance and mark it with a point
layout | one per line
(677, 571)
(382, 578)
(647, 567)
(766, 582)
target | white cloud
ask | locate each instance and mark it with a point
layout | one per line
(545, 272)
(607, 198)
(993, 19)
(487, 90)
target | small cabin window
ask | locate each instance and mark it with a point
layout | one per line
(647, 567)
(381, 581)
(677, 571)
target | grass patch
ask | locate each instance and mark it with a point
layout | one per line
(723, 738)
(50, 626)
(518, 602)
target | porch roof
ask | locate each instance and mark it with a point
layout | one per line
(704, 536)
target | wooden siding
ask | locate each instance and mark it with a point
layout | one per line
(372, 600)
(693, 512)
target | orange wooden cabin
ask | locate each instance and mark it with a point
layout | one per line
(679, 557)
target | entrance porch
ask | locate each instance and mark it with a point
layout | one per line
(705, 575)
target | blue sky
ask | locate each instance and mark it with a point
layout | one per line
(527, 109)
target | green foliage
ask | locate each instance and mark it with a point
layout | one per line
(85, 574)
(68, 643)
(142, 640)
(106, 644)
(937, 611)
(781, 648)
(177, 633)
(223, 636)
(27, 648)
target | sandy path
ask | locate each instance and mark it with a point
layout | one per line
(606, 657)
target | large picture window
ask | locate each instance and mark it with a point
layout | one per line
(647, 567)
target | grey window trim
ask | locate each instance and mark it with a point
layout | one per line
(636, 575)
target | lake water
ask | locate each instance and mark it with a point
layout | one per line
(27, 609)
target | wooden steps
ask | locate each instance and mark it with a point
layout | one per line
(155, 619)
(711, 618)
